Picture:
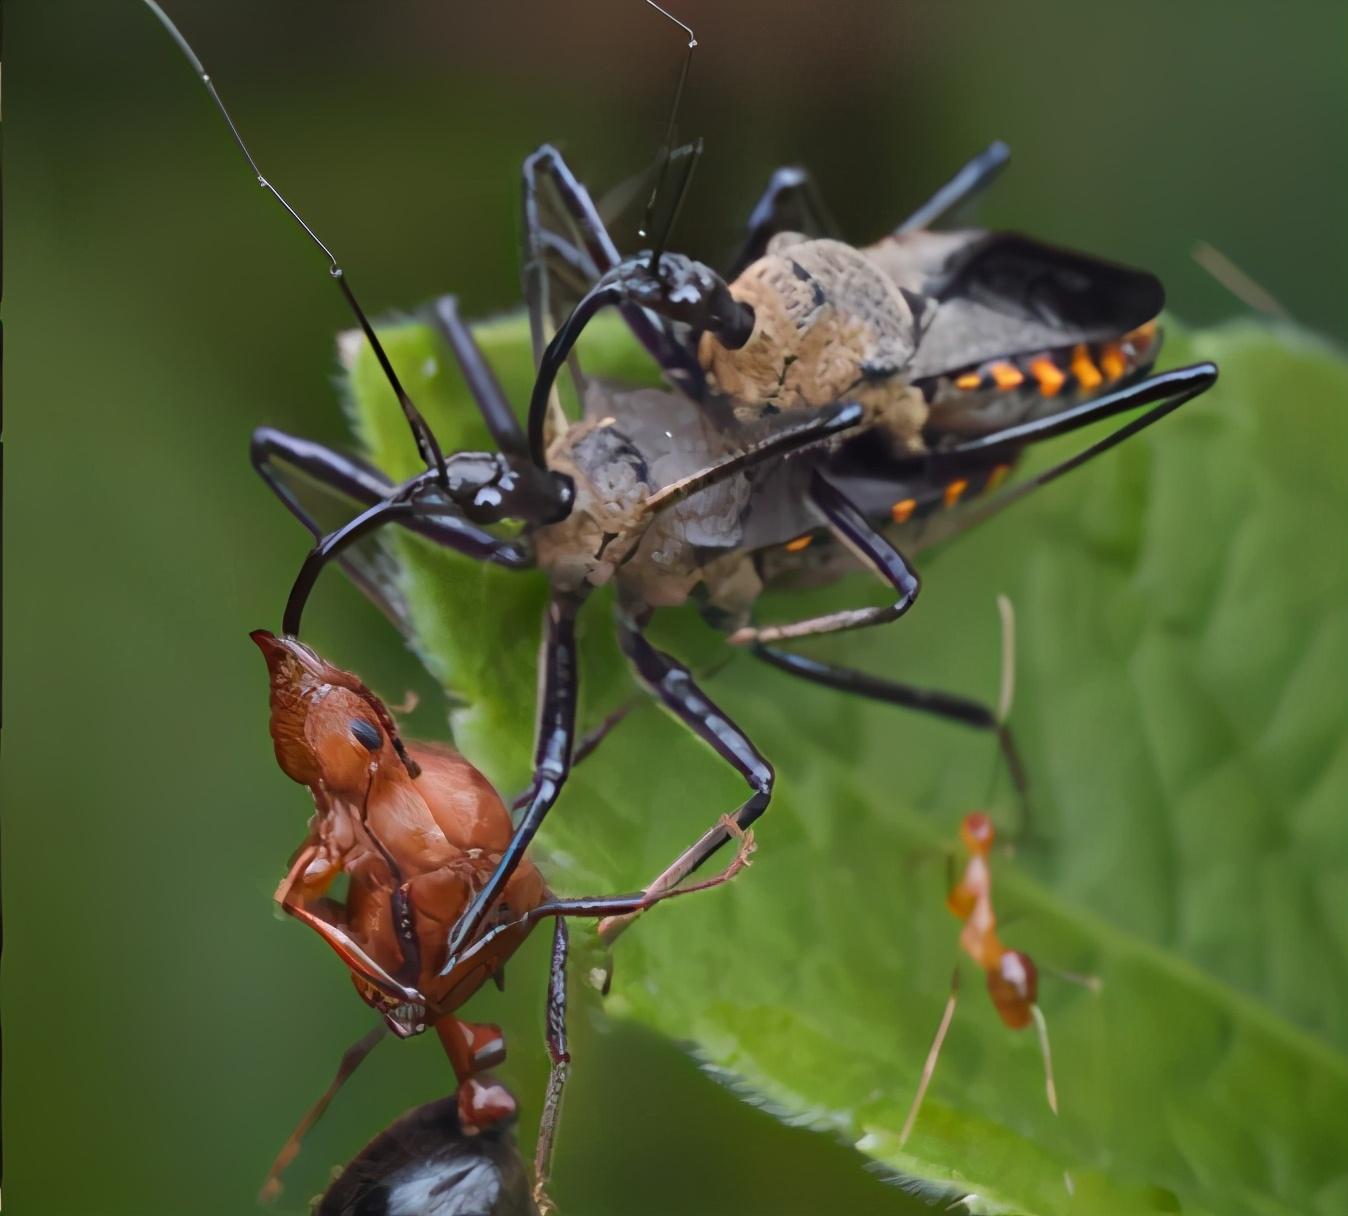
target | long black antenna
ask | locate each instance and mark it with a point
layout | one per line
(421, 432)
(667, 152)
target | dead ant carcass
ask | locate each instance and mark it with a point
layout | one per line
(425, 1153)
(955, 350)
(417, 832)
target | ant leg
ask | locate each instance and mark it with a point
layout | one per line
(491, 400)
(790, 194)
(618, 910)
(352, 1059)
(560, 1058)
(933, 1052)
(552, 760)
(950, 706)
(546, 166)
(868, 544)
(353, 956)
(973, 177)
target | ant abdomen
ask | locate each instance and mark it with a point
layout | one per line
(1013, 985)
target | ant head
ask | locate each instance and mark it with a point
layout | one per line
(977, 833)
(1013, 984)
(403, 1017)
(327, 727)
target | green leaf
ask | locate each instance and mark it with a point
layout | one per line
(1183, 637)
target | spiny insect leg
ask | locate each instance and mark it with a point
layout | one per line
(546, 168)
(490, 398)
(560, 1057)
(950, 706)
(972, 178)
(552, 759)
(791, 202)
(852, 528)
(674, 685)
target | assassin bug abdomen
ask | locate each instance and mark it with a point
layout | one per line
(1017, 329)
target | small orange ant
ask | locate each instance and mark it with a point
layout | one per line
(1012, 977)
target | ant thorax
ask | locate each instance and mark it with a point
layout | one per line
(829, 326)
(630, 445)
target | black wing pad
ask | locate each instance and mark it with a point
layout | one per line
(1003, 295)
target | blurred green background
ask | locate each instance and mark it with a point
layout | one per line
(163, 1029)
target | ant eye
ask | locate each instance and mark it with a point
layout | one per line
(367, 734)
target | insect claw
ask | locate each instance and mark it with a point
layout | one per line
(543, 1201)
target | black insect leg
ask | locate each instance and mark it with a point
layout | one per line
(852, 528)
(547, 165)
(560, 1057)
(675, 687)
(972, 178)
(1171, 388)
(552, 760)
(618, 910)
(791, 202)
(343, 474)
(950, 706)
(481, 380)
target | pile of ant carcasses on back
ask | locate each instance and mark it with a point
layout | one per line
(821, 402)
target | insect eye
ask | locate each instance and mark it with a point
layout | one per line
(367, 734)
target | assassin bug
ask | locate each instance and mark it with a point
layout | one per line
(417, 831)
(671, 493)
(1012, 977)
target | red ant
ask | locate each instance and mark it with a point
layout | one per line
(417, 831)
(1012, 977)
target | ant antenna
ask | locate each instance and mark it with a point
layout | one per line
(421, 432)
(1250, 293)
(1041, 1027)
(668, 151)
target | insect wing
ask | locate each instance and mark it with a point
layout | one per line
(1000, 295)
